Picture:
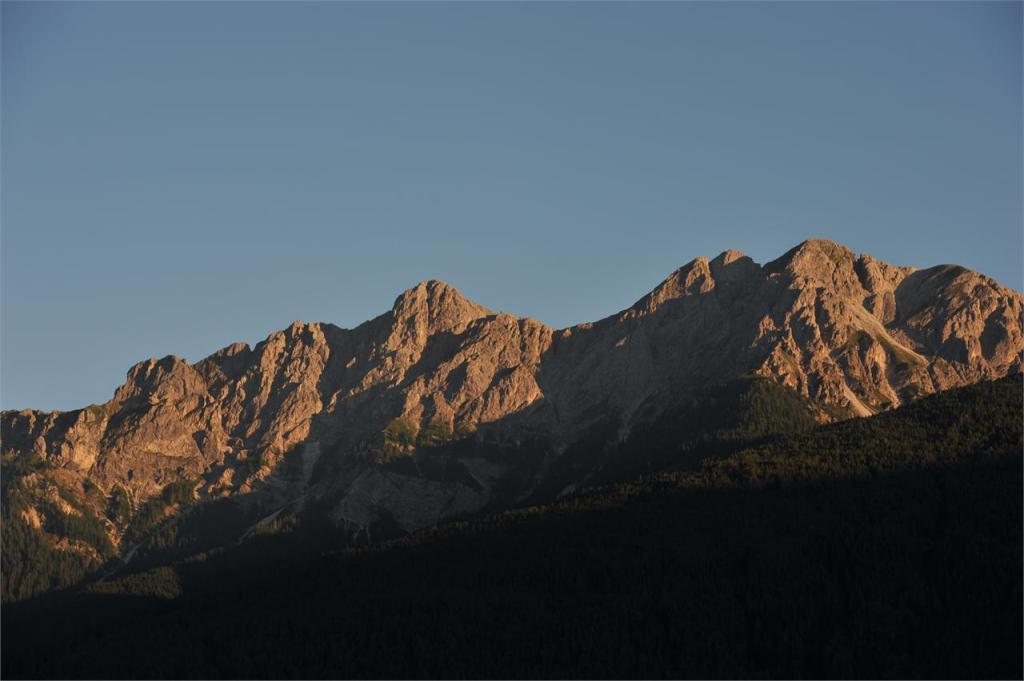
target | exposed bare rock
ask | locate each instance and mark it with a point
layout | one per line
(849, 333)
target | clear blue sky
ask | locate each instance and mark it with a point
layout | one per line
(177, 177)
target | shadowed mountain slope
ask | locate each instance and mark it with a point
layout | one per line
(884, 547)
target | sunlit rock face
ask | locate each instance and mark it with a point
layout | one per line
(360, 422)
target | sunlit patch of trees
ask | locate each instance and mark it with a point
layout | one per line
(32, 563)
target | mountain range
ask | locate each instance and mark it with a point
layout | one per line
(441, 408)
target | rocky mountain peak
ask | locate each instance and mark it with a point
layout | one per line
(814, 259)
(701, 276)
(170, 377)
(728, 257)
(434, 306)
(693, 278)
(733, 266)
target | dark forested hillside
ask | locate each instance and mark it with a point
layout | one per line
(881, 547)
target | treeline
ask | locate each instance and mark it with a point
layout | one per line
(47, 546)
(31, 563)
(882, 547)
